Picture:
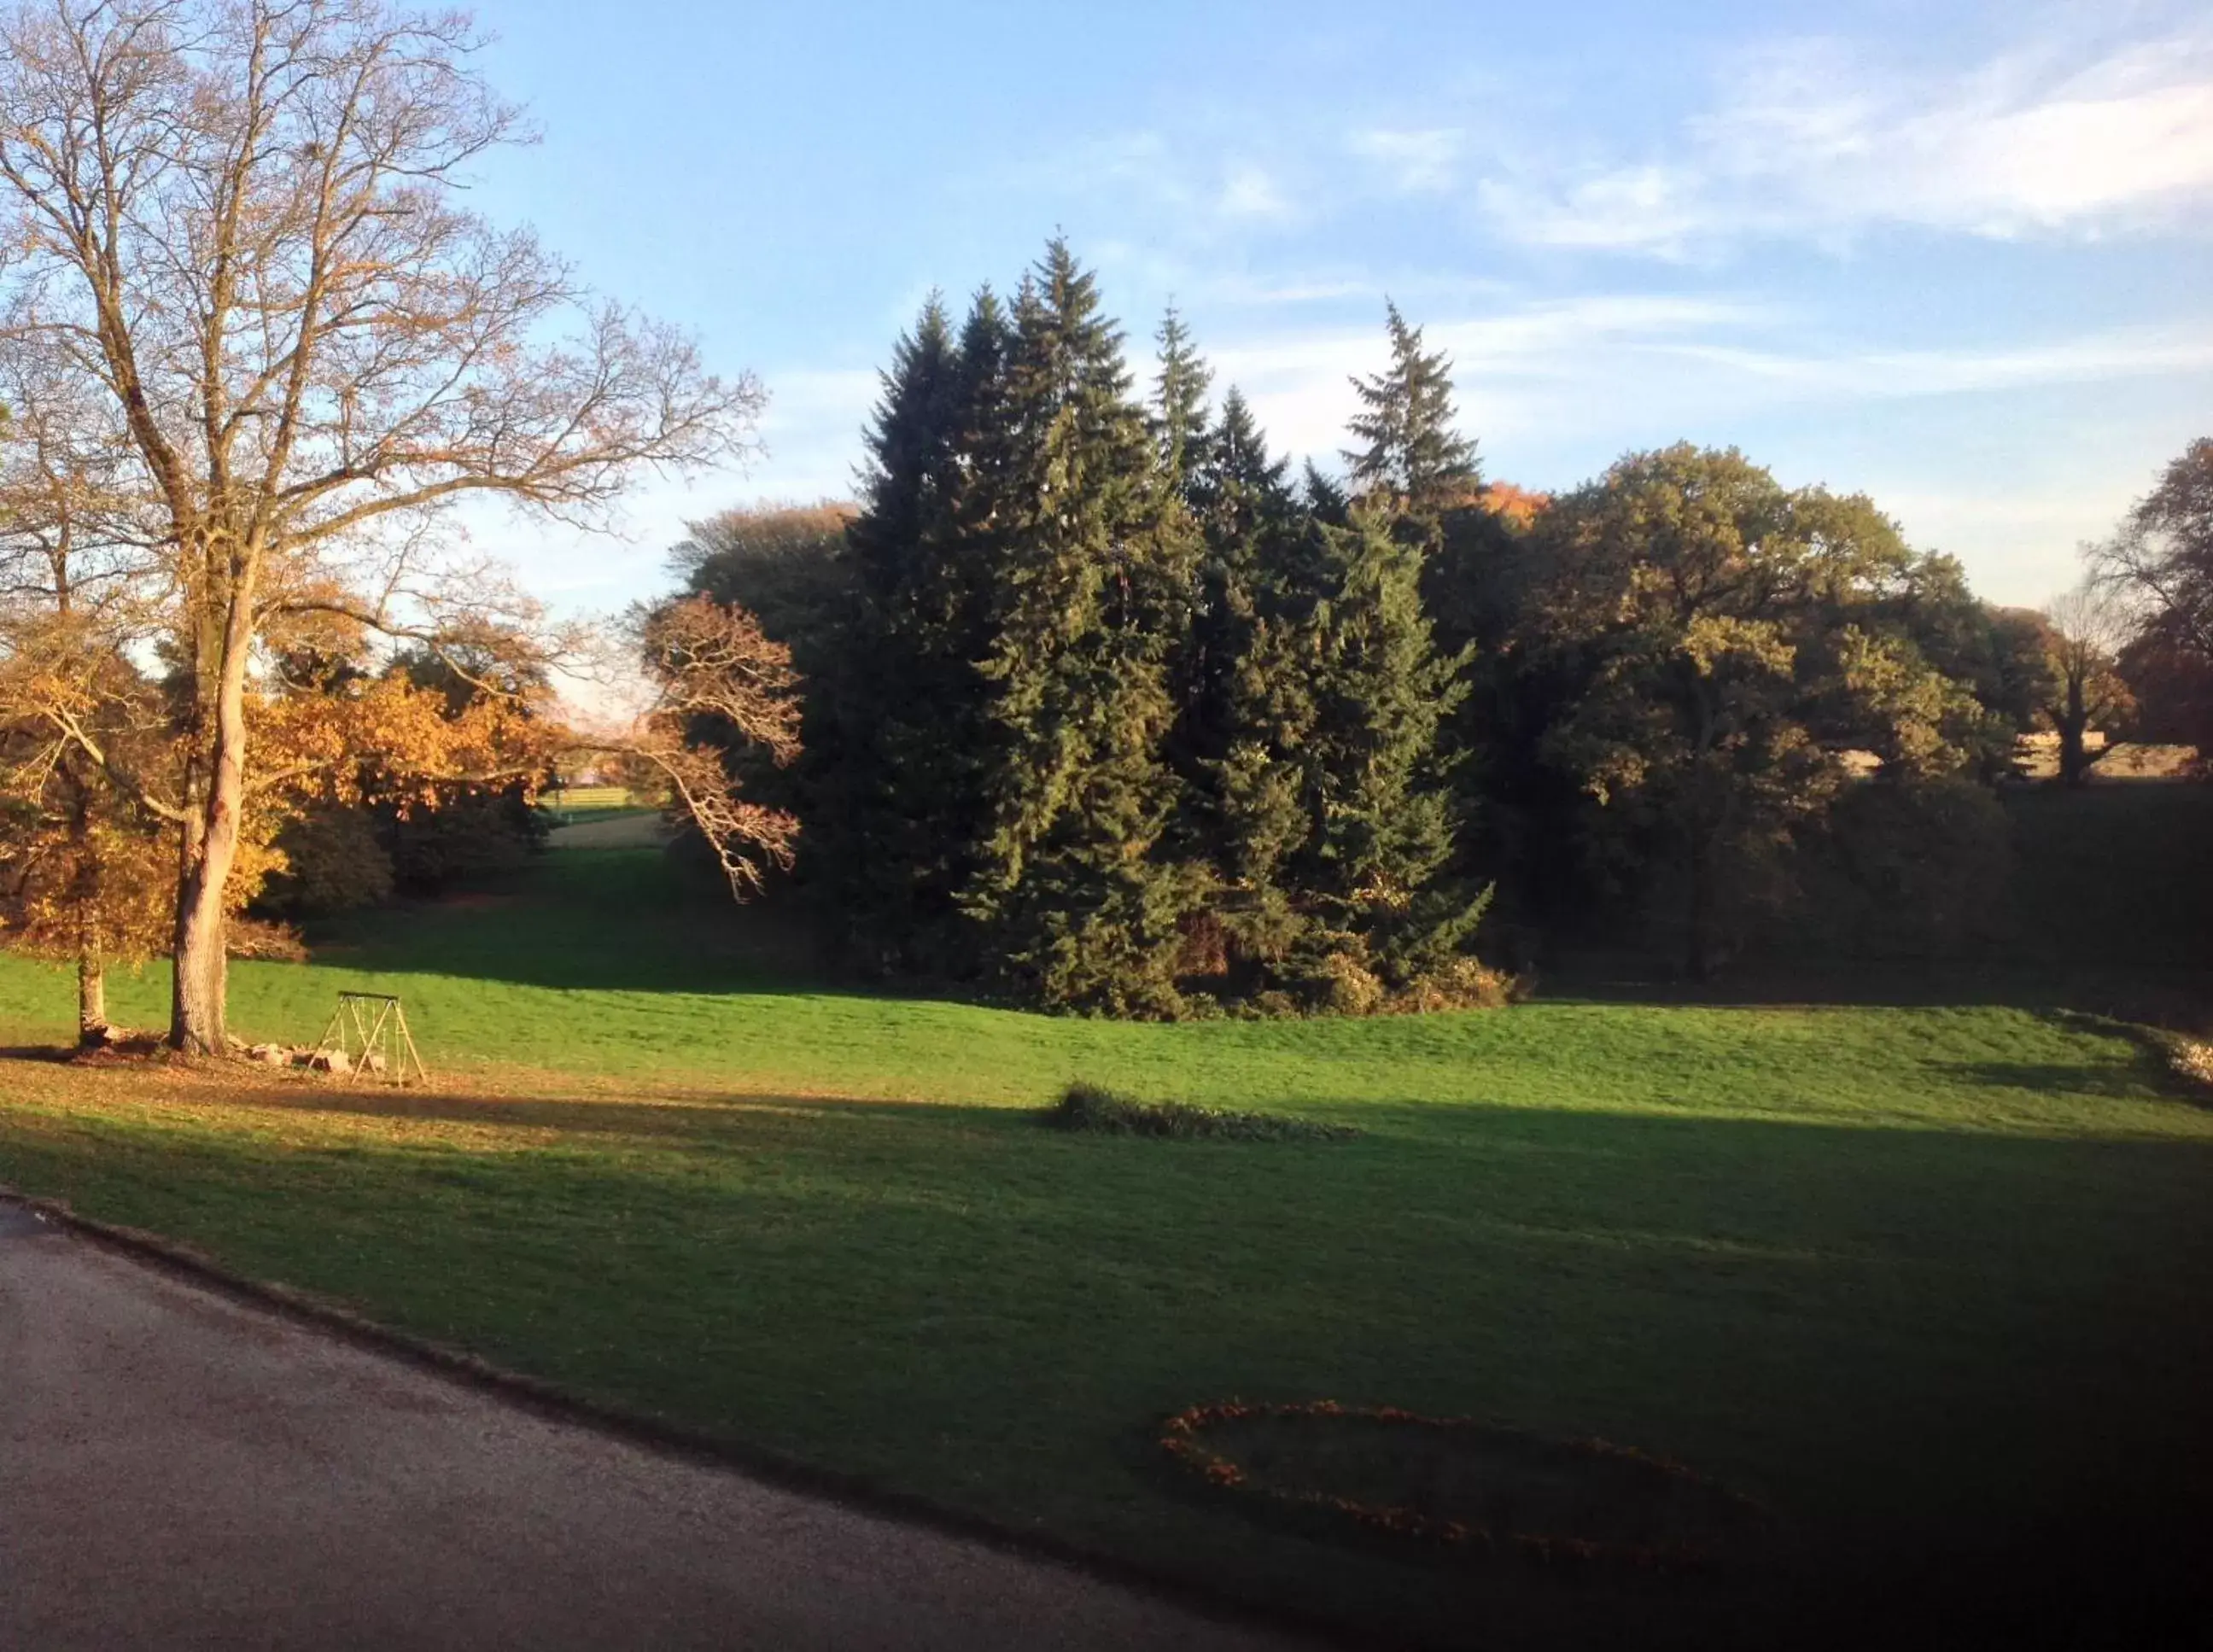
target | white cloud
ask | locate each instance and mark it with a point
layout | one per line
(2121, 353)
(1423, 162)
(1638, 368)
(1250, 192)
(1816, 138)
(1511, 364)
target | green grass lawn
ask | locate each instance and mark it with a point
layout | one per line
(1930, 1281)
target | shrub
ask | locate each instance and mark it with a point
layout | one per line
(1461, 984)
(332, 863)
(1340, 984)
(1098, 1111)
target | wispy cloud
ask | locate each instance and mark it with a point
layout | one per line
(1420, 162)
(1192, 183)
(2120, 353)
(1249, 191)
(1824, 139)
(1644, 368)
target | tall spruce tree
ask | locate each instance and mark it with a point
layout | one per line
(1410, 454)
(909, 704)
(1249, 523)
(1376, 784)
(1092, 565)
(1179, 400)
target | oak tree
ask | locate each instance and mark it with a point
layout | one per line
(235, 231)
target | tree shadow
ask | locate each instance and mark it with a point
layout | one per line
(2125, 1085)
(1897, 1334)
(689, 1116)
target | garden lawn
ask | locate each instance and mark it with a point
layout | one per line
(1928, 1280)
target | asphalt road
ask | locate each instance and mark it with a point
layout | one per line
(181, 1470)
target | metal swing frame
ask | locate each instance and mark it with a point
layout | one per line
(378, 1024)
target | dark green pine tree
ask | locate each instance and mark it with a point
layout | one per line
(1249, 523)
(1092, 561)
(1179, 400)
(1236, 488)
(1326, 500)
(911, 708)
(1375, 693)
(1410, 456)
(1247, 518)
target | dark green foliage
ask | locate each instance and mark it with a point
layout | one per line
(1711, 646)
(335, 862)
(903, 819)
(784, 565)
(787, 566)
(1334, 788)
(1325, 499)
(2172, 687)
(1103, 713)
(1091, 569)
(2114, 877)
(1106, 712)
(1096, 1111)
(1906, 868)
(467, 834)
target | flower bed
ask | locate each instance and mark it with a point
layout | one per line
(1460, 1485)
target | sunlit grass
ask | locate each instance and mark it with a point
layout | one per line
(1929, 1280)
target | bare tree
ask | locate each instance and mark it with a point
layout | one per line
(2089, 625)
(234, 228)
(710, 663)
(2160, 563)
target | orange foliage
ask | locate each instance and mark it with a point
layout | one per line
(1517, 506)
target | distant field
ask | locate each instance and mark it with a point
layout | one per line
(569, 805)
(1929, 1280)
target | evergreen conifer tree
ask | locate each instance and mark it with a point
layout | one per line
(1236, 488)
(1377, 792)
(910, 704)
(1123, 704)
(1248, 520)
(1179, 400)
(1327, 501)
(1092, 568)
(1409, 453)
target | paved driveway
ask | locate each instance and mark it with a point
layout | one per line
(179, 1469)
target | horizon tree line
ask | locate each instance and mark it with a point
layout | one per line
(1103, 707)
(1105, 710)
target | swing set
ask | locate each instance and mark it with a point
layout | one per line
(369, 1032)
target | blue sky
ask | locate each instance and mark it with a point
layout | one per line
(1955, 256)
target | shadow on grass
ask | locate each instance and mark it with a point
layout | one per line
(635, 920)
(2127, 1084)
(1965, 1367)
(644, 921)
(705, 1120)
(2165, 995)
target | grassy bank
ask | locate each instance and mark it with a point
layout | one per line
(1927, 1280)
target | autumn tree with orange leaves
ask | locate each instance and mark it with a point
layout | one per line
(240, 276)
